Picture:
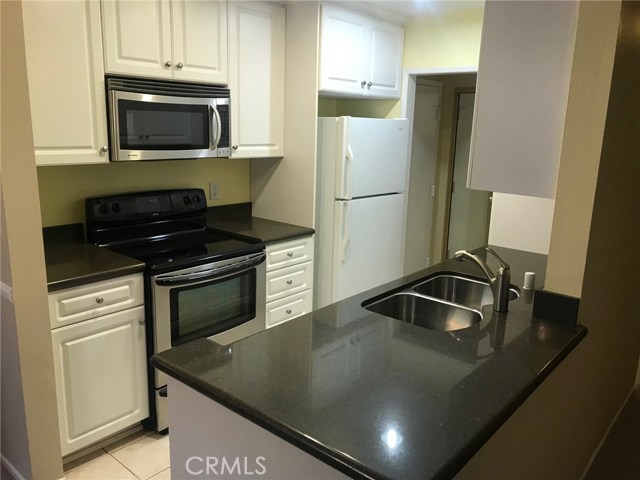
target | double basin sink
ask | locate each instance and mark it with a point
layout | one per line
(443, 302)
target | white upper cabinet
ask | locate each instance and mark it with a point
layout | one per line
(199, 40)
(66, 81)
(180, 39)
(256, 79)
(521, 96)
(359, 54)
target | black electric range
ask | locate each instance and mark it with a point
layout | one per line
(198, 282)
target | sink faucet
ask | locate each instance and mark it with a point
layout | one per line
(499, 283)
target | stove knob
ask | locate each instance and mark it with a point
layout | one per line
(186, 199)
(196, 199)
(103, 209)
(115, 207)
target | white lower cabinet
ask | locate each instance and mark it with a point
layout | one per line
(101, 377)
(289, 292)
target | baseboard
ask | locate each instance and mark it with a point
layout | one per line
(12, 470)
(606, 434)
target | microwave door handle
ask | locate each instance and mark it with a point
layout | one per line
(216, 127)
(211, 273)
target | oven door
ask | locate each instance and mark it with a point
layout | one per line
(224, 301)
(162, 127)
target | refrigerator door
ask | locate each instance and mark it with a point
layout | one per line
(371, 156)
(367, 248)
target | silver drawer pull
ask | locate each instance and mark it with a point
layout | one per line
(141, 321)
(289, 282)
(288, 311)
(99, 300)
(290, 254)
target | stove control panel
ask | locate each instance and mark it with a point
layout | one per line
(144, 206)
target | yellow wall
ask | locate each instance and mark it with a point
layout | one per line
(64, 188)
(448, 36)
(31, 414)
(580, 154)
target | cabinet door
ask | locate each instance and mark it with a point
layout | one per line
(256, 79)
(384, 61)
(343, 50)
(137, 37)
(66, 81)
(101, 377)
(199, 39)
(521, 96)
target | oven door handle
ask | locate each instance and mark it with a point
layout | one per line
(212, 273)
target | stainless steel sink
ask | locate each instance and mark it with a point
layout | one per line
(460, 290)
(425, 312)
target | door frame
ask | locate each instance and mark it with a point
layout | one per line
(407, 110)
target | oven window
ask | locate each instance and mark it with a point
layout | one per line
(209, 308)
(162, 126)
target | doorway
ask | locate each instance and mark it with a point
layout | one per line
(432, 222)
(469, 210)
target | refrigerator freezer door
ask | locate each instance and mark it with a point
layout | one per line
(367, 250)
(371, 156)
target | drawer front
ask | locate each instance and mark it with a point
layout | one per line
(95, 299)
(289, 308)
(289, 280)
(289, 253)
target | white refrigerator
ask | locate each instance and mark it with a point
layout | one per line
(360, 204)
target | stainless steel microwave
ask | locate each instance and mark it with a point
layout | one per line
(157, 120)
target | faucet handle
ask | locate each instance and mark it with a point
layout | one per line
(503, 264)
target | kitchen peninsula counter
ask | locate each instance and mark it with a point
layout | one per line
(372, 397)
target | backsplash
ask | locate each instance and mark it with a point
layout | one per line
(64, 188)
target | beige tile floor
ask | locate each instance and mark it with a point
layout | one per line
(142, 456)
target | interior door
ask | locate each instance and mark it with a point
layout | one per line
(422, 176)
(367, 244)
(470, 209)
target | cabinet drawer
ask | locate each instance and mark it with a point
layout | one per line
(289, 253)
(289, 280)
(289, 308)
(95, 299)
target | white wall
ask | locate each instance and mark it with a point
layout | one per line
(521, 222)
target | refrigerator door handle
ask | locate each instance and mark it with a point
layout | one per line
(343, 174)
(349, 164)
(345, 228)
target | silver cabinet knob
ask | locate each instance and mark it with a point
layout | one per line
(289, 282)
(99, 300)
(288, 311)
(363, 83)
(369, 84)
(289, 254)
(179, 65)
(235, 147)
(168, 64)
(141, 321)
(104, 149)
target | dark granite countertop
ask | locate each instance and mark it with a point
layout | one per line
(237, 220)
(378, 398)
(70, 262)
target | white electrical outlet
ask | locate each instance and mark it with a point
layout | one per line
(213, 190)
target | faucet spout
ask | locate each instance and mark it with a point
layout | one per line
(499, 283)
